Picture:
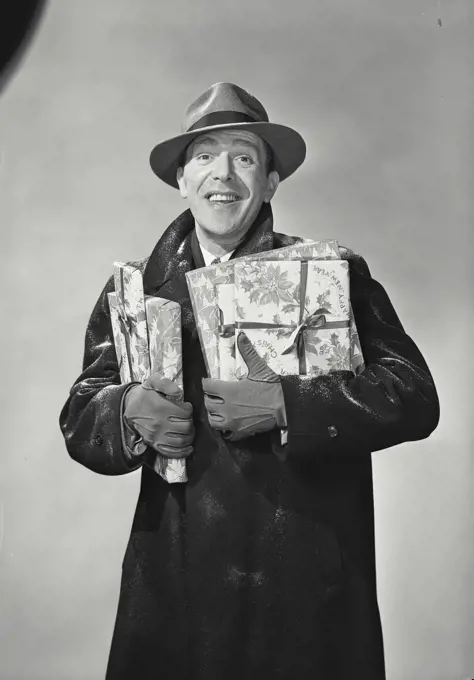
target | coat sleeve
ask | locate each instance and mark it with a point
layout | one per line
(92, 417)
(393, 400)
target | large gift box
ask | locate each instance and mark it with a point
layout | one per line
(296, 315)
(211, 291)
(147, 336)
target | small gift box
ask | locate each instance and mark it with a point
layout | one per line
(296, 315)
(147, 336)
(130, 308)
(204, 283)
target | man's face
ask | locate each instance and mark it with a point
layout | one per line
(225, 180)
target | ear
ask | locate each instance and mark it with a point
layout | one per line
(272, 185)
(181, 183)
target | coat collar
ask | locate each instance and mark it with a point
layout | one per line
(172, 256)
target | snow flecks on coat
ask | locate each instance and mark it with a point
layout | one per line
(240, 578)
(210, 508)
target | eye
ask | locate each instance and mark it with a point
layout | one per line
(203, 157)
(244, 160)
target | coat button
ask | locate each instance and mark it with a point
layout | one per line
(332, 431)
(98, 439)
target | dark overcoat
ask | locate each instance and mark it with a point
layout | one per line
(257, 567)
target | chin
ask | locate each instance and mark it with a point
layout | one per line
(221, 229)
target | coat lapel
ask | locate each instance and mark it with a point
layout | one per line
(171, 257)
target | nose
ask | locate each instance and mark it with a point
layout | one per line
(222, 169)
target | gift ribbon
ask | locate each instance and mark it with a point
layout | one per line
(226, 330)
(313, 321)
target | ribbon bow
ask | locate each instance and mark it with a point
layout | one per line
(316, 319)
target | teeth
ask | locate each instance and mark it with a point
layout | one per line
(222, 197)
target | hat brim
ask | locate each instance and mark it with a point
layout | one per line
(289, 148)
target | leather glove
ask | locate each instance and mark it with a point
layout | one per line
(247, 406)
(156, 411)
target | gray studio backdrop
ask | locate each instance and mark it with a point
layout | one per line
(382, 92)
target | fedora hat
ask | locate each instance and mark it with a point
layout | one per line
(221, 107)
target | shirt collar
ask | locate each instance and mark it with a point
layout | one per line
(209, 257)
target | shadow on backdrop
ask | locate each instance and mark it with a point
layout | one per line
(18, 23)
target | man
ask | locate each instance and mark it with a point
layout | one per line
(262, 565)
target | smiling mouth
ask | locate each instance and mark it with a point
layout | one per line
(222, 199)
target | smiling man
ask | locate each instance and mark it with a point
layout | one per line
(263, 564)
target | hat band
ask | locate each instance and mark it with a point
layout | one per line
(221, 118)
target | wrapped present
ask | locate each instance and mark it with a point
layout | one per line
(147, 336)
(132, 316)
(296, 314)
(203, 283)
(163, 319)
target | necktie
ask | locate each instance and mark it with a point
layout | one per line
(216, 261)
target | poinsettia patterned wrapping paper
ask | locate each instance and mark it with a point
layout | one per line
(202, 290)
(147, 336)
(300, 307)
